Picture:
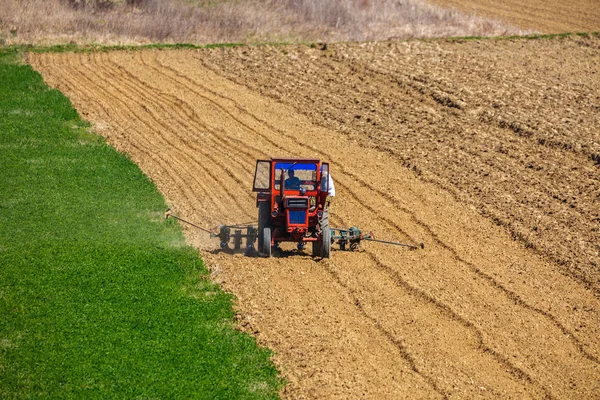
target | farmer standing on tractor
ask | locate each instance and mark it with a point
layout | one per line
(327, 184)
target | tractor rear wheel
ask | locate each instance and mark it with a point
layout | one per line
(316, 248)
(266, 241)
(326, 242)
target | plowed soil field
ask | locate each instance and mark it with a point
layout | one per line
(486, 151)
(547, 16)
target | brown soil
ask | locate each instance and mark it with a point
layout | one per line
(547, 16)
(464, 146)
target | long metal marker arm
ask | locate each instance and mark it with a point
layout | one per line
(168, 214)
(412, 246)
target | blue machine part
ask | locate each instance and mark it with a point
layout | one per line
(297, 217)
(296, 166)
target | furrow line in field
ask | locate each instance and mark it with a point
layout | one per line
(448, 311)
(162, 160)
(190, 119)
(392, 338)
(238, 144)
(176, 115)
(75, 82)
(501, 359)
(219, 137)
(275, 144)
(516, 298)
(164, 142)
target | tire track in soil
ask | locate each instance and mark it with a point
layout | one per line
(182, 148)
(220, 142)
(190, 158)
(255, 282)
(161, 161)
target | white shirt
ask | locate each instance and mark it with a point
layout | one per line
(331, 191)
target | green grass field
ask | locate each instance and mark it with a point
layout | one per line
(99, 296)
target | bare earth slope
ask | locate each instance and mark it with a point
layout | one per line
(547, 16)
(509, 126)
(475, 314)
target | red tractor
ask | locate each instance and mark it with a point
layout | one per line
(292, 204)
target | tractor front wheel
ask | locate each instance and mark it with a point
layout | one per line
(266, 241)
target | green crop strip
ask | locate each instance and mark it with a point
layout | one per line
(99, 296)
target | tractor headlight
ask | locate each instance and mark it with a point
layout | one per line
(320, 214)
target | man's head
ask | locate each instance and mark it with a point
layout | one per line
(291, 173)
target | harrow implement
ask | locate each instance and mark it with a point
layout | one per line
(352, 237)
(346, 239)
(226, 235)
